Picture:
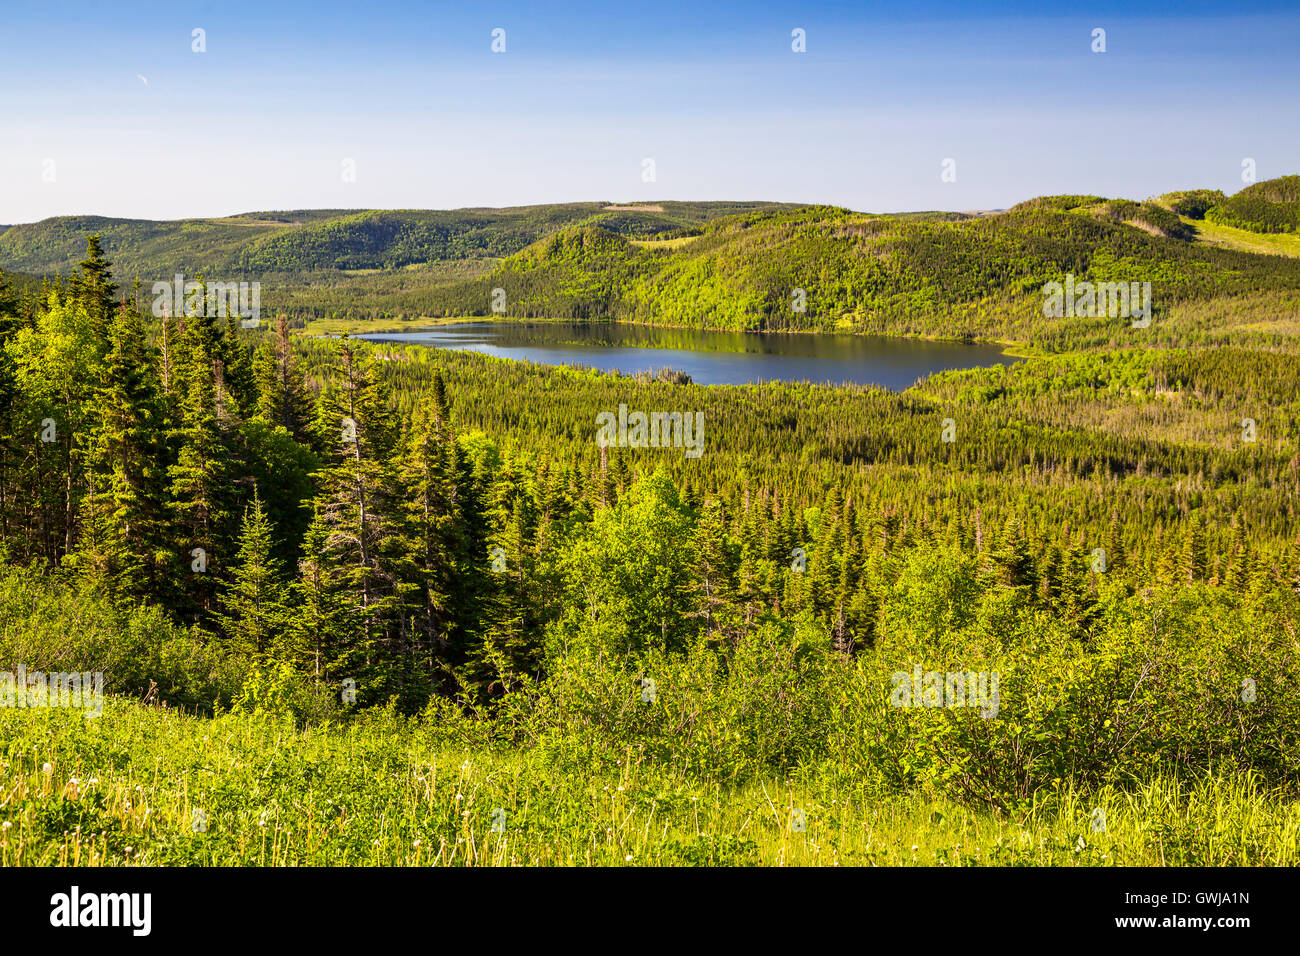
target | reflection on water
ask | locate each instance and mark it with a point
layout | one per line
(710, 358)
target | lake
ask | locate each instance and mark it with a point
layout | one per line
(710, 358)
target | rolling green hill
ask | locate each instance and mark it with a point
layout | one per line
(330, 239)
(976, 277)
(1270, 206)
(718, 265)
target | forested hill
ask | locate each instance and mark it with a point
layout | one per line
(825, 268)
(297, 240)
(718, 265)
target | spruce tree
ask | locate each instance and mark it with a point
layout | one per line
(509, 645)
(1010, 563)
(11, 401)
(1194, 562)
(126, 504)
(201, 493)
(358, 503)
(713, 580)
(253, 604)
(428, 475)
(1115, 554)
(323, 637)
(281, 389)
(92, 286)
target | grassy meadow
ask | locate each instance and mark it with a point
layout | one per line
(144, 786)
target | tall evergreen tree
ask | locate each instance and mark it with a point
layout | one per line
(11, 401)
(201, 493)
(358, 502)
(1194, 560)
(127, 468)
(428, 474)
(323, 637)
(92, 286)
(253, 604)
(713, 578)
(281, 390)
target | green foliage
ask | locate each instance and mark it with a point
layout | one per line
(68, 625)
(440, 533)
(1193, 203)
(737, 268)
(254, 609)
(386, 791)
(978, 277)
(1269, 206)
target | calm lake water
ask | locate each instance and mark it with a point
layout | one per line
(710, 358)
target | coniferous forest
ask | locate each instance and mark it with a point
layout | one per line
(336, 545)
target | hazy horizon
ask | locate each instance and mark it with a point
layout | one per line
(119, 116)
(565, 202)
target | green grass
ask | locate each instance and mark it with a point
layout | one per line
(339, 326)
(663, 243)
(126, 789)
(1265, 243)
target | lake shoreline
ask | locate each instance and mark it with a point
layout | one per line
(1011, 347)
(706, 356)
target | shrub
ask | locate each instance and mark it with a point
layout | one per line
(53, 623)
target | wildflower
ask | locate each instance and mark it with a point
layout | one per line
(47, 768)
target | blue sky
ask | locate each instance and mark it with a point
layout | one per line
(430, 117)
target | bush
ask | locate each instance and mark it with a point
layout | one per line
(1194, 203)
(1160, 688)
(58, 624)
(763, 706)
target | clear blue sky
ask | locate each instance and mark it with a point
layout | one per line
(711, 91)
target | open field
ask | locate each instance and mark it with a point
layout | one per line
(1275, 244)
(140, 786)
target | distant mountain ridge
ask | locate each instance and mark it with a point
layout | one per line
(824, 268)
(298, 240)
(724, 265)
